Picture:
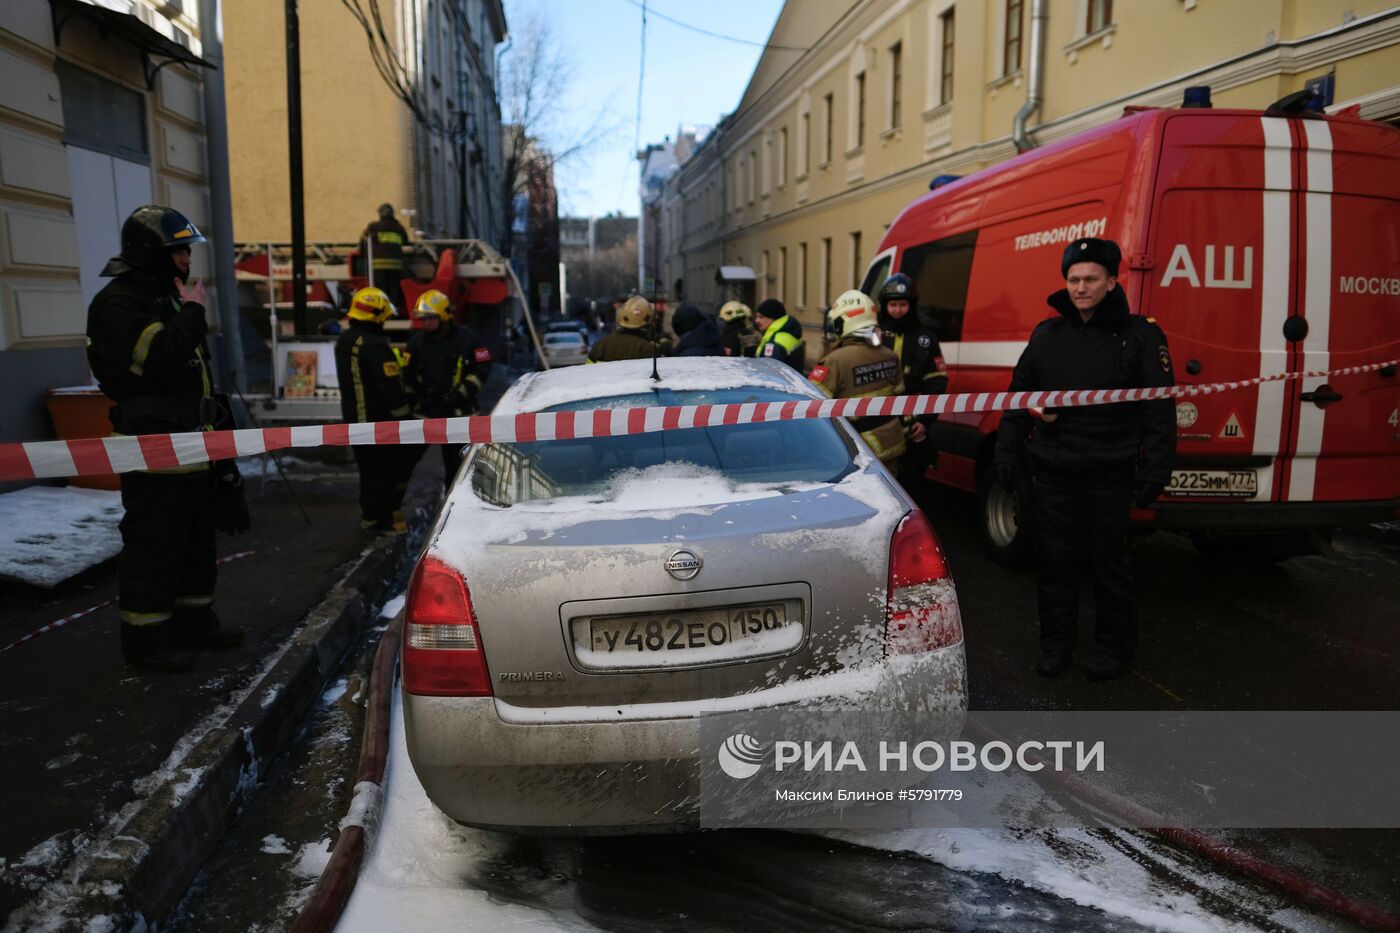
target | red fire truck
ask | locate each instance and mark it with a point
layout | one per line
(1261, 242)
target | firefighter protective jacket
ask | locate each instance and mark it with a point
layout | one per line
(738, 338)
(445, 370)
(621, 345)
(920, 357)
(386, 240)
(371, 383)
(783, 341)
(147, 350)
(1114, 349)
(856, 368)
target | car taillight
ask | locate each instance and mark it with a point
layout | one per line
(923, 605)
(442, 654)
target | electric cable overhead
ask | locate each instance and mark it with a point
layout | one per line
(641, 78)
(718, 35)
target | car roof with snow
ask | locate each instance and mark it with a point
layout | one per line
(544, 390)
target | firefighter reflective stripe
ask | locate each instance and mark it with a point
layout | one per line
(471, 378)
(391, 240)
(143, 348)
(194, 602)
(357, 380)
(143, 618)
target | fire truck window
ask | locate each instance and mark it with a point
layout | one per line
(875, 277)
(941, 271)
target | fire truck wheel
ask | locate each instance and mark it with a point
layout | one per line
(1006, 535)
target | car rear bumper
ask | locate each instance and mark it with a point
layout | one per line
(621, 769)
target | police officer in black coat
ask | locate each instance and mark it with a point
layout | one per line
(146, 347)
(921, 362)
(1090, 464)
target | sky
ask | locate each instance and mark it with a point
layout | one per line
(690, 78)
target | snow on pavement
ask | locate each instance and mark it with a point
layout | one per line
(56, 532)
(413, 877)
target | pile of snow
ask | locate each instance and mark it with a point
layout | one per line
(56, 532)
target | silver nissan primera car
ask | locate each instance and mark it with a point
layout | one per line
(582, 604)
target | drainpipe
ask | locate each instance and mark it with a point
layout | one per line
(231, 355)
(1035, 88)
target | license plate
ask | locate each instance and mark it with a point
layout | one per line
(1240, 484)
(689, 636)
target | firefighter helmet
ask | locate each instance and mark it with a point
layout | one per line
(371, 304)
(147, 233)
(735, 311)
(433, 303)
(852, 312)
(635, 313)
(896, 287)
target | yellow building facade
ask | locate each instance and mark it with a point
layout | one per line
(854, 108)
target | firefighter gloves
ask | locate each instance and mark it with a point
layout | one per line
(230, 505)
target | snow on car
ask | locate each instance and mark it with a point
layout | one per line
(582, 603)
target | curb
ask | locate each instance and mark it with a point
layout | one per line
(337, 882)
(136, 877)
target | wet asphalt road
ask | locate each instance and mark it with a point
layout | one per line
(1310, 633)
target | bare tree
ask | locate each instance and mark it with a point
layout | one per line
(611, 271)
(536, 74)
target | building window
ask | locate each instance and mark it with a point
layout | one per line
(782, 273)
(945, 87)
(753, 174)
(802, 274)
(826, 272)
(101, 115)
(806, 143)
(896, 84)
(830, 105)
(767, 166)
(1100, 15)
(860, 110)
(856, 268)
(1011, 50)
(780, 167)
(763, 289)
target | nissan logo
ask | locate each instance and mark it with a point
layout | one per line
(683, 564)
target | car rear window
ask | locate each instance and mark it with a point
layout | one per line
(574, 338)
(776, 453)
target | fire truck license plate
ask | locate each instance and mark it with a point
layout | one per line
(1241, 484)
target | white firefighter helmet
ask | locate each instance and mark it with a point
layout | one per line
(852, 312)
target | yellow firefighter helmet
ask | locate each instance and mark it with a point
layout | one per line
(853, 311)
(433, 303)
(635, 314)
(735, 311)
(371, 304)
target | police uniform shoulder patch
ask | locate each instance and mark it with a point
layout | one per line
(391, 368)
(482, 355)
(924, 341)
(818, 373)
(1164, 358)
(768, 349)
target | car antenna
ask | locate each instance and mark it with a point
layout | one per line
(655, 375)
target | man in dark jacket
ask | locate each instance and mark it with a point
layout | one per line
(630, 341)
(371, 389)
(921, 363)
(447, 366)
(737, 335)
(698, 334)
(383, 241)
(781, 335)
(1092, 463)
(146, 346)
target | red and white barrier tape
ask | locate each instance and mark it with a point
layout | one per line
(91, 609)
(105, 455)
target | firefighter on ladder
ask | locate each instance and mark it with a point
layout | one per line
(446, 369)
(371, 389)
(146, 347)
(384, 241)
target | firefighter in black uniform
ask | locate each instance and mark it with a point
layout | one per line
(1090, 464)
(146, 346)
(921, 362)
(447, 366)
(384, 240)
(371, 389)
